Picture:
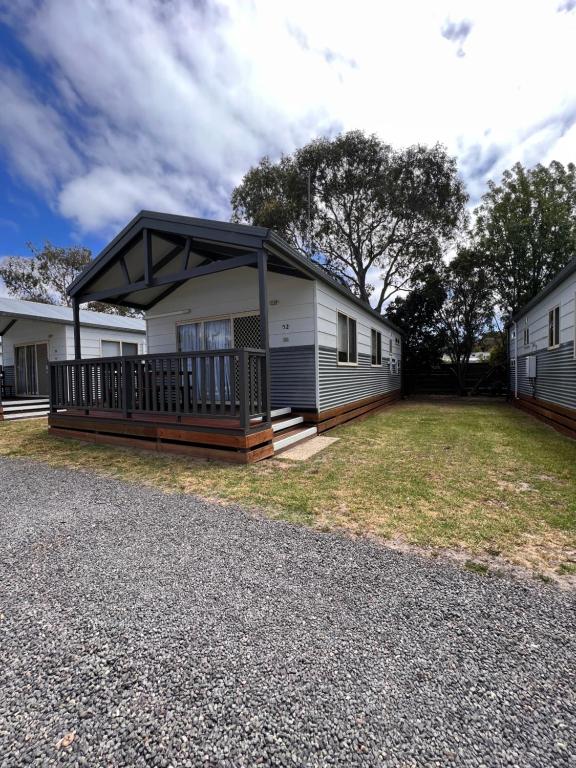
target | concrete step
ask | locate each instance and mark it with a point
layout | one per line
(25, 415)
(278, 426)
(293, 436)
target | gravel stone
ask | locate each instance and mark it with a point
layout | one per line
(166, 630)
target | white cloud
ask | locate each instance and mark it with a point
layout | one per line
(166, 103)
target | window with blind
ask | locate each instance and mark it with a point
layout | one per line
(554, 327)
(347, 347)
(376, 347)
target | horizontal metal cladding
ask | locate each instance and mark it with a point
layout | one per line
(555, 376)
(341, 384)
(293, 376)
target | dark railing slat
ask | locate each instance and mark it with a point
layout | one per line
(222, 365)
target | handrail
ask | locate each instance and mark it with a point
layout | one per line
(223, 383)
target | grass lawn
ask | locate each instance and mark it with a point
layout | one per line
(480, 478)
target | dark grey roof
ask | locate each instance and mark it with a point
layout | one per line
(240, 234)
(568, 270)
(33, 310)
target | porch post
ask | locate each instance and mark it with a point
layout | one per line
(264, 334)
(76, 318)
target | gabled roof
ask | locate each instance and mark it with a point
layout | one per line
(18, 309)
(208, 240)
(568, 270)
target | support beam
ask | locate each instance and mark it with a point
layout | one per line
(76, 317)
(8, 326)
(125, 269)
(246, 260)
(147, 237)
(186, 255)
(264, 333)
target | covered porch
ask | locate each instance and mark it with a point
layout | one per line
(210, 402)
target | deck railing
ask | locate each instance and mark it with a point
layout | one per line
(227, 383)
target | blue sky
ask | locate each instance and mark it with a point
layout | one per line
(110, 107)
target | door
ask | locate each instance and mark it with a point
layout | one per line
(32, 370)
(42, 375)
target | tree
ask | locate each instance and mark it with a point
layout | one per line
(417, 314)
(45, 276)
(525, 230)
(467, 312)
(363, 210)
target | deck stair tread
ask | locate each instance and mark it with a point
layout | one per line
(28, 401)
(274, 414)
(19, 408)
(25, 415)
(281, 424)
(292, 436)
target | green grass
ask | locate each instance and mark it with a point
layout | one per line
(479, 477)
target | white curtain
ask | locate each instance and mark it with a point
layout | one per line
(212, 334)
(218, 335)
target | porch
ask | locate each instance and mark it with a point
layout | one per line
(211, 404)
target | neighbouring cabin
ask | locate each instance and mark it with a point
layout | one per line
(251, 347)
(542, 353)
(34, 334)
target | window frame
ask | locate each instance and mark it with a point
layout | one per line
(526, 333)
(349, 319)
(554, 327)
(121, 343)
(378, 355)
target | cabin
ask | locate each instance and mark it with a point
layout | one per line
(251, 347)
(34, 335)
(542, 353)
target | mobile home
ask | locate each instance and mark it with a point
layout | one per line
(35, 334)
(542, 353)
(251, 346)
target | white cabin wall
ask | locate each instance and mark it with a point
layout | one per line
(290, 310)
(340, 385)
(34, 332)
(91, 338)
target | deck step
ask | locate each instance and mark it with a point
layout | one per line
(25, 415)
(11, 408)
(274, 414)
(293, 437)
(278, 426)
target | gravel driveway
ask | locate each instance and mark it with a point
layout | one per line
(168, 631)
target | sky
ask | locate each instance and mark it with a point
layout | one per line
(108, 107)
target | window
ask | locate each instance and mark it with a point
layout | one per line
(117, 348)
(376, 347)
(554, 327)
(110, 348)
(390, 345)
(347, 354)
(526, 333)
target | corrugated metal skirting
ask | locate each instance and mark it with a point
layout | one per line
(555, 376)
(341, 384)
(293, 376)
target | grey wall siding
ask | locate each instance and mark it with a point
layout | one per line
(293, 376)
(344, 384)
(555, 376)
